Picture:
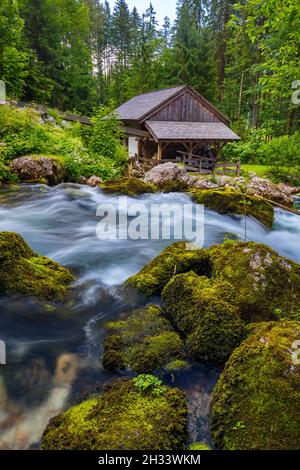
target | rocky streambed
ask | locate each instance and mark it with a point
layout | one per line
(54, 350)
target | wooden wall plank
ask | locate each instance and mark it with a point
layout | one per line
(185, 108)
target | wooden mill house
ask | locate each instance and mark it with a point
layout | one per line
(176, 124)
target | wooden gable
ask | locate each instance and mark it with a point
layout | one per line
(187, 107)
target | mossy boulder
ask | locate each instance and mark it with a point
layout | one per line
(127, 186)
(202, 311)
(173, 260)
(46, 169)
(256, 402)
(22, 271)
(231, 201)
(122, 418)
(144, 342)
(263, 281)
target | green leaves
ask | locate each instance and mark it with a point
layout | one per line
(147, 383)
(106, 137)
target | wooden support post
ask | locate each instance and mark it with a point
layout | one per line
(159, 151)
(218, 147)
(190, 150)
(140, 149)
(139, 155)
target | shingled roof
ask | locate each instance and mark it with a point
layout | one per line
(141, 105)
(209, 131)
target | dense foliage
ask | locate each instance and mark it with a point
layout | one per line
(243, 56)
(83, 151)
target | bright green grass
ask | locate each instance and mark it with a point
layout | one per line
(260, 170)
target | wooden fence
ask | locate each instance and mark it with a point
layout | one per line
(197, 164)
(208, 165)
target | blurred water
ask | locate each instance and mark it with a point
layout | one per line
(53, 353)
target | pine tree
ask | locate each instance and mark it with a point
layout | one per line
(192, 59)
(167, 31)
(121, 29)
(136, 28)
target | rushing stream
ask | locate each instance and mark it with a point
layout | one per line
(53, 353)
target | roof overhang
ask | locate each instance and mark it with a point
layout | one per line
(190, 131)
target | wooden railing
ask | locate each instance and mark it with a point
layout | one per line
(208, 165)
(228, 168)
(197, 164)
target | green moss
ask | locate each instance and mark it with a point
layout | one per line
(173, 186)
(177, 365)
(23, 271)
(122, 418)
(231, 201)
(173, 260)
(262, 280)
(143, 343)
(155, 352)
(199, 446)
(113, 355)
(37, 181)
(128, 186)
(256, 403)
(201, 310)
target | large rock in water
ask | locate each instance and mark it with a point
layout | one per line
(127, 186)
(231, 201)
(168, 177)
(201, 310)
(143, 342)
(93, 181)
(256, 402)
(262, 280)
(22, 271)
(256, 186)
(124, 417)
(175, 259)
(35, 168)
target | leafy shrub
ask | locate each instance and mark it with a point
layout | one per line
(106, 137)
(283, 151)
(249, 150)
(283, 156)
(25, 143)
(146, 383)
(106, 170)
(15, 121)
(86, 151)
(5, 174)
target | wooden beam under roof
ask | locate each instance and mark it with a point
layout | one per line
(136, 132)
